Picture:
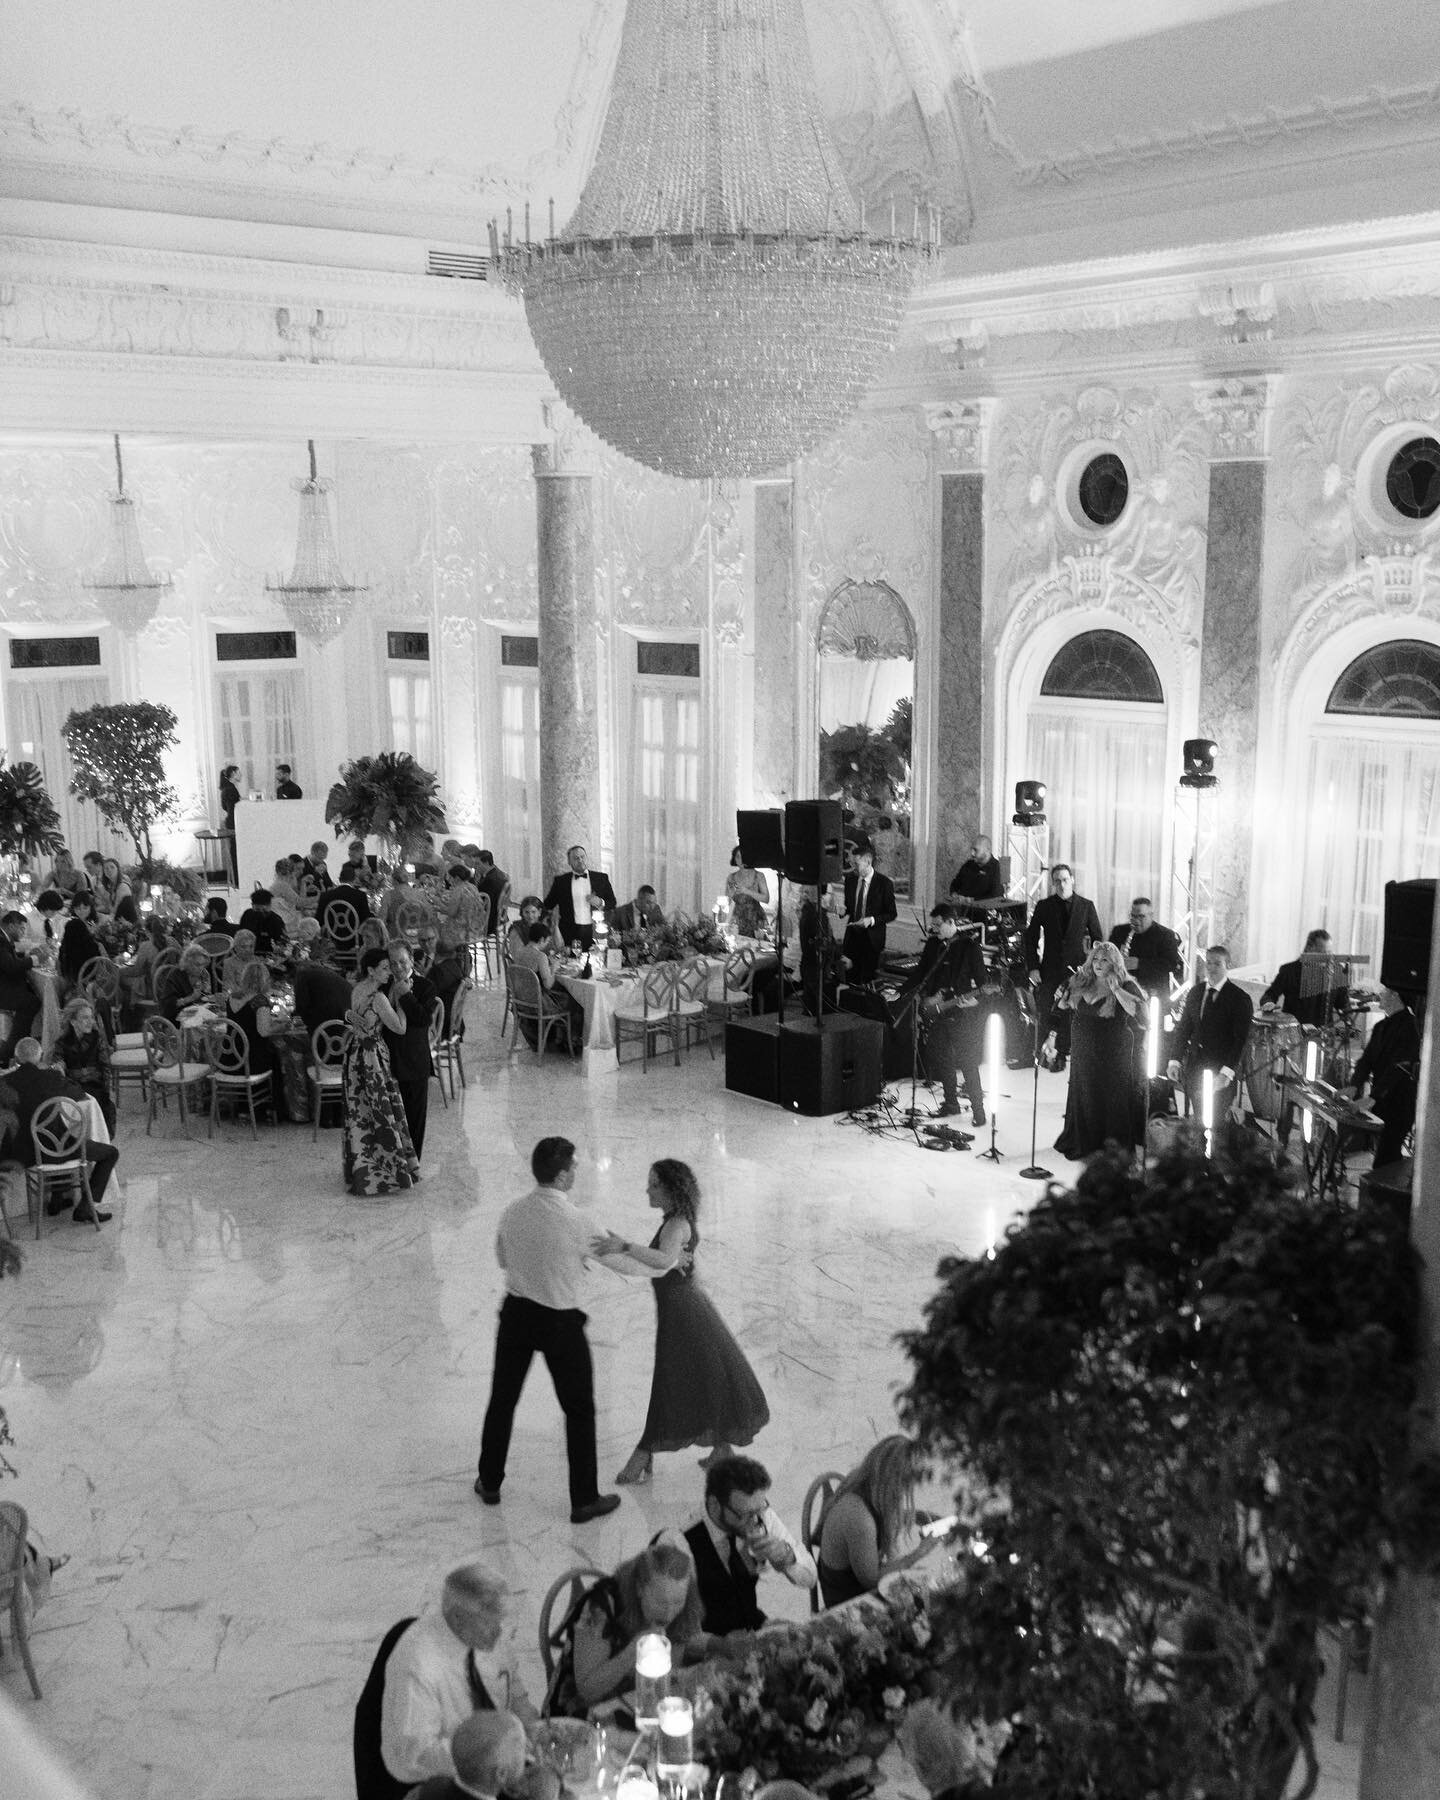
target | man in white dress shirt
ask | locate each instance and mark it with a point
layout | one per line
(738, 1537)
(578, 897)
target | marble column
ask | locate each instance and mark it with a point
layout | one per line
(1401, 1755)
(958, 782)
(569, 727)
(775, 644)
(1230, 645)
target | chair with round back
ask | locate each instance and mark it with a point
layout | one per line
(411, 918)
(342, 924)
(434, 1034)
(57, 1129)
(215, 945)
(563, 1592)
(170, 1071)
(449, 1050)
(529, 1001)
(227, 1050)
(818, 1496)
(327, 1051)
(99, 981)
(14, 1541)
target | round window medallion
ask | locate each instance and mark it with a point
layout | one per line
(1104, 487)
(1412, 480)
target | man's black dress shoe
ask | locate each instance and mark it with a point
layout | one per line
(594, 1509)
(54, 1207)
(491, 1496)
(89, 1216)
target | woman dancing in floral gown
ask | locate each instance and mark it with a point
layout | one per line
(703, 1391)
(379, 1157)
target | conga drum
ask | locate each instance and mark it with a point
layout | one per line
(1273, 1045)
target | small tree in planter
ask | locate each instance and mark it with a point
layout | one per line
(117, 753)
(389, 796)
(1183, 1396)
(29, 823)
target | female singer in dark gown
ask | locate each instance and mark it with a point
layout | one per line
(1106, 1098)
(703, 1391)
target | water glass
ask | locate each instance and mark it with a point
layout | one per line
(652, 1677)
(677, 1736)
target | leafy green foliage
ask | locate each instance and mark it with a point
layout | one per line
(863, 767)
(29, 823)
(388, 796)
(1183, 1398)
(118, 756)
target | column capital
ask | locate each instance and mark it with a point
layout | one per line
(570, 449)
(961, 430)
(1237, 410)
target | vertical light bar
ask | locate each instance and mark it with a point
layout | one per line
(1312, 1069)
(994, 1055)
(1207, 1109)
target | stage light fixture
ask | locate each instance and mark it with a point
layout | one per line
(1029, 802)
(1200, 754)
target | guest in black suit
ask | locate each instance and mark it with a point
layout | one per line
(1062, 928)
(738, 1538)
(1286, 992)
(217, 917)
(637, 914)
(285, 785)
(576, 896)
(23, 1090)
(978, 877)
(18, 994)
(869, 908)
(492, 882)
(413, 997)
(1152, 952)
(1391, 1065)
(267, 926)
(322, 994)
(949, 977)
(1211, 1034)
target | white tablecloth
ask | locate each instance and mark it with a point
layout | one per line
(598, 997)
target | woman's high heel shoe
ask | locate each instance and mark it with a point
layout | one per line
(718, 1454)
(639, 1468)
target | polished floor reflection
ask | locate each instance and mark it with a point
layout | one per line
(250, 1408)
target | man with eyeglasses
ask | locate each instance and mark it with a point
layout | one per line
(737, 1539)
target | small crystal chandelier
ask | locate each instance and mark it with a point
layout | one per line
(317, 598)
(123, 585)
(716, 306)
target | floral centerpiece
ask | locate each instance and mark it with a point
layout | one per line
(389, 796)
(675, 939)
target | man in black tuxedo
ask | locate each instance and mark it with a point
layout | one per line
(1391, 1064)
(577, 896)
(492, 882)
(414, 998)
(949, 977)
(869, 908)
(1214, 1025)
(1152, 952)
(1062, 928)
(23, 1090)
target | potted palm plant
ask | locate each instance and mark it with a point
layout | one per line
(389, 796)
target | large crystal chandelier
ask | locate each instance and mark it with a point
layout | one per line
(716, 305)
(317, 598)
(123, 585)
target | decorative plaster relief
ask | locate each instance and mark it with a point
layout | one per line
(961, 431)
(1399, 586)
(486, 536)
(727, 563)
(1237, 410)
(657, 552)
(867, 508)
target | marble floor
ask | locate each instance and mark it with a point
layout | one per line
(249, 1409)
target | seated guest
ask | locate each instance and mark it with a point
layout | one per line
(444, 970)
(1390, 1063)
(322, 993)
(217, 917)
(19, 995)
(79, 944)
(534, 954)
(654, 1591)
(137, 977)
(285, 896)
(50, 914)
(65, 878)
(313, 878)
(577, 897)
(260, 917)
(187, 984)
(870, 1515)
(1299, 988)
(247, 1002)
(977, 878)
(82, 1051)
(244, 949)
(532, 910)
(23, 1090)
(114, 898)
(737, 1540)
(357, 866)
(373, 936)
(401, 893)
(489, 1753)
(640, 913)
(430, 1675)
(460, 907)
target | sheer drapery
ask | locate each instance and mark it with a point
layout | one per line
(411, 726)
(257, 726)
(1107, 801)
(519, 807)
(37, 708)
(1373, 816)
(665, 795)
(853, 692)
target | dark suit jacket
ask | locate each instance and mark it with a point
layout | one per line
(342, 890)
(410, 1051)
(321, 994)
(1307, 1009)
(1218, 1040)
(558, 900)
(1391, 1062)
(31, 1087)
(1157, 952)
(879, 905)
(17, 991)
(624, 917)
(289, 790)
(269, 929)
(494, 884)
(1064, 949)
(978, 881)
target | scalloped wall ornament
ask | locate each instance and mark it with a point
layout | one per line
(1402, 585)
(866, 508)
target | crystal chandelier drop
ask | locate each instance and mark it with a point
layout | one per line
(716, 306)
(123, 585)
(317, 598)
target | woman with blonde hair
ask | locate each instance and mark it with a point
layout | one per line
(1105, 1101)
(866, 1527)
(654, 1591)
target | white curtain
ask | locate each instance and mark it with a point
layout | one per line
(665, 797)
(257, 727)
(1107, 799)
(37, 709)
(411, 726)
(862, 693)
(1373, 816)
(519, 808)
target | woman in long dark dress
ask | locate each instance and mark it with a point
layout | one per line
(1105, 1102)
(378, 1156)
(703, 1391)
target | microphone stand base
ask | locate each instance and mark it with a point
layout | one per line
(1036, 1173)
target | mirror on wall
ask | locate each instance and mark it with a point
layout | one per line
(867, 700)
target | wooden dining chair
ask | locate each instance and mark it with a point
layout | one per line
(818, 1496)
(327, 1051)
(227, 1050)
(14, 1539)
(57, 1129)
(648, 1012)
(528, 1000)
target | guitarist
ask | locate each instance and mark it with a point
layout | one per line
(949, 977)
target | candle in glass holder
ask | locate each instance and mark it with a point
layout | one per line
(652, 1675)
(636, 1785)
(677, 1736)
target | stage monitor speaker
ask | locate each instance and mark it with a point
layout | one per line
(752, 1057)
(762, 839)
(1409, 921)
(814, 845)
(831, 1067)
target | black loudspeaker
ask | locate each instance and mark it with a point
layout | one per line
(833, 1067)
(1389, 1187)
(752, 1057)
(762, 839)
(1409, 921)
(867, 1003)
(814, 847)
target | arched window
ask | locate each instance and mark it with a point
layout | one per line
(1103, 665)
(1096, 736)
(1400, 679)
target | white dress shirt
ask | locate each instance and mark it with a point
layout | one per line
(542, 1243)
(427, 1694)
(580, 898)
(801, 1573)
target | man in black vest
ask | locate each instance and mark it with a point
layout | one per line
(737, 1539)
